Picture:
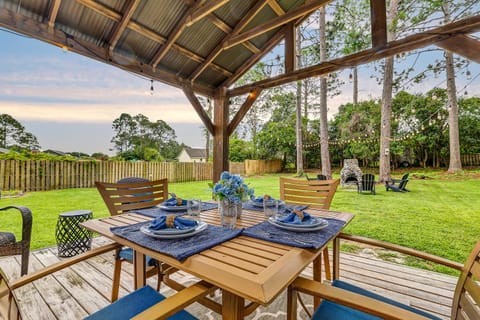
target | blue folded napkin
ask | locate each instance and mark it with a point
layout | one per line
(295, 219)
(173, 202)
(179, 223)
(260, 199)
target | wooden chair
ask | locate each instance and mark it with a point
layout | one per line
(367, 184)
(344, 300)
(126, 195)
(319, 177)
(398, 185)
(315, 194)
(144, 303)
(9, 244)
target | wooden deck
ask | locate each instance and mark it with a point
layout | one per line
(84, 288)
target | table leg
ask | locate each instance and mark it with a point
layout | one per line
(232, 306)
(326, 264)
(139, 269)
(317, 276)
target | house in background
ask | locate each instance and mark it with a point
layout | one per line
(193, 155)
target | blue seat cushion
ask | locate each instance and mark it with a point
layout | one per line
(127, 254)
(133, 304)
(332, 311)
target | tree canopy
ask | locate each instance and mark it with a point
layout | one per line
(13, 134)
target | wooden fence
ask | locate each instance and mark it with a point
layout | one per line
(39, 175)
(472, 159)
(262, 166)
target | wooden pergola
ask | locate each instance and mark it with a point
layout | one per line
(204, 46)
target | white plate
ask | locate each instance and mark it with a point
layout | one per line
(292, 227)
(269, 203)
(173, 208)
(173, 230)
(199, 228)
(313, 222)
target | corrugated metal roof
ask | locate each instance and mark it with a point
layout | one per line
(90, 25)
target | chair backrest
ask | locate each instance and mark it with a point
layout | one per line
(315, 193)
(122, 197)
(402, 184)
(466, 300)
(23, 246)
(368, 180)
(405, 176)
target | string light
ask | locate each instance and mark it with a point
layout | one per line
(151, 87)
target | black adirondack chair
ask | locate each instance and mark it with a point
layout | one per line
(398, 185)
(319, 177)
(367, 184)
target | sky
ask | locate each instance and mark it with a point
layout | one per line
(69, 101)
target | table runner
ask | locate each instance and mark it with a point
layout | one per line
(156, 211)
(177, 248)
(314, 239)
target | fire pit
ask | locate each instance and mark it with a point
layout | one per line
(351, 174)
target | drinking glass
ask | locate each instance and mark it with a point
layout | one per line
(270, 208)
(194, 208)
(228, 217)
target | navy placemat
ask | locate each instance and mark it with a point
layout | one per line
(156, 211)
(314, 239)
(178, 248)
(281, 208)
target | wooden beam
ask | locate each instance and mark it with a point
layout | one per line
(180, 26)
(122, 24)
(199, 109)
(220, 24)
(276, 7)
(378, 16)
(276, 22)
(52, 14)
(290, 49)
(219, 48)
(412, 42)
(220, 136)
(148, 33)
(462, 45)
(11, 20)
(252, 97)
(204, 11)
(255, 58)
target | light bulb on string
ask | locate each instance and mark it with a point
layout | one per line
(469, 75)
(466, 92)
(151, 88)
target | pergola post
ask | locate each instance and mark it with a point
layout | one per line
(220, 135)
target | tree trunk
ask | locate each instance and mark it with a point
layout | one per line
(298, 125)
(455, 164)
(355, 85)
(324, 148)
(386, 112)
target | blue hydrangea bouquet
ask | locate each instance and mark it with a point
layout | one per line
(232, 188)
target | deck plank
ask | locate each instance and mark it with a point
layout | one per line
(85, 287)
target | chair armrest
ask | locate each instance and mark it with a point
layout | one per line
(353, 300)
(404, 250)
(176, 302)
(61, 265)
(26, 221)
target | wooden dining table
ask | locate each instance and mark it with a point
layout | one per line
(244, 268)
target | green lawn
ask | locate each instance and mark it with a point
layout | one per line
(441, 214)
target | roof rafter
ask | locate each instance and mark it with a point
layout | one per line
(275, 23)
(218, 49)
(146, 32)
(122, 24)
(204, 11)
(412, 42)
(25, 25)
(192, 15)
(52, 14)
(199, 109)
(276, 7)
(378, 14)
(462, 45)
